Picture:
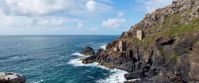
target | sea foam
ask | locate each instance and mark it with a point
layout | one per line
(40, 81)
(78, 60)
(103, 46)
(116, 76)
(78, 54)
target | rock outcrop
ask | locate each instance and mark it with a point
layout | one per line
(92, 58)
(10, 77)
(88, 51)
(168, 52)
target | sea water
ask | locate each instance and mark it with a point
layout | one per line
(55, 59)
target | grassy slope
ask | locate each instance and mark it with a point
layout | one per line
(171, 28)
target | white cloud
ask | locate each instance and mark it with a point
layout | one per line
(47, 12)
(113, 22)
(95, 6)
(15, 21)
(43, 21)
(151, 5)
(91, 5)
(31, 7)
(50, 22)
(43, 7)
(120, 14)
(40, 15)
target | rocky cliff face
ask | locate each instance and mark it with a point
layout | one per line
(167, 52)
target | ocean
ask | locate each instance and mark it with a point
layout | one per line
(55, 59)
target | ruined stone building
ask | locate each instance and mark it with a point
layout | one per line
(139, 34)
(122, 46)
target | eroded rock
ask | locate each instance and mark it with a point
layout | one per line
(88, 51)
(164, 41)
(10, 77)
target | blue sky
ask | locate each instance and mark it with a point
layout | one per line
(73, 17)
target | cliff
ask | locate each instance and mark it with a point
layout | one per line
(162, 48)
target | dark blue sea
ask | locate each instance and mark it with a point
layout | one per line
(55, 59)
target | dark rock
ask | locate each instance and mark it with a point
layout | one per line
(88, 51)
(134, 75)
(125, 34)
(157, 61)
(194, 64)
(92, 59)
(164, 41)
(10, 77)
(88, 60)
(180, 50)
(127, 66)
(99, 52)
(110, 45)
(138, 66)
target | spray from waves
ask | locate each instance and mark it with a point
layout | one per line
(40, 81)
(78, 54)
(78, 61)
(103, 46)
(116, 76)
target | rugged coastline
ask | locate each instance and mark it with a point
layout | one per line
(162, 48)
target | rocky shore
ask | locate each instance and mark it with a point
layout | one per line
(162, 48)
(10, 77)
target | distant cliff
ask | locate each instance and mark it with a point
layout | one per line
(162, 48)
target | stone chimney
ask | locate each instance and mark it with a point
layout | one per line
(122, 46)
(139, 34)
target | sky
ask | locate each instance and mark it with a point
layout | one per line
(73, 17)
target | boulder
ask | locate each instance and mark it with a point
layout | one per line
(88, 51)
(92, 59)
(10, 77)
(133, 75)
(89, 60)
(164, 41)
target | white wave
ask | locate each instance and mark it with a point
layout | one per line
(78, 54)
(117, 76)
(103, 46)
(38, 81)
(78, 62)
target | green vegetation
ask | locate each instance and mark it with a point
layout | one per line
(161, 50)
(174, 26)
(175, 56)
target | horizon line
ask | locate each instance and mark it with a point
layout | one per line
(64, 35)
